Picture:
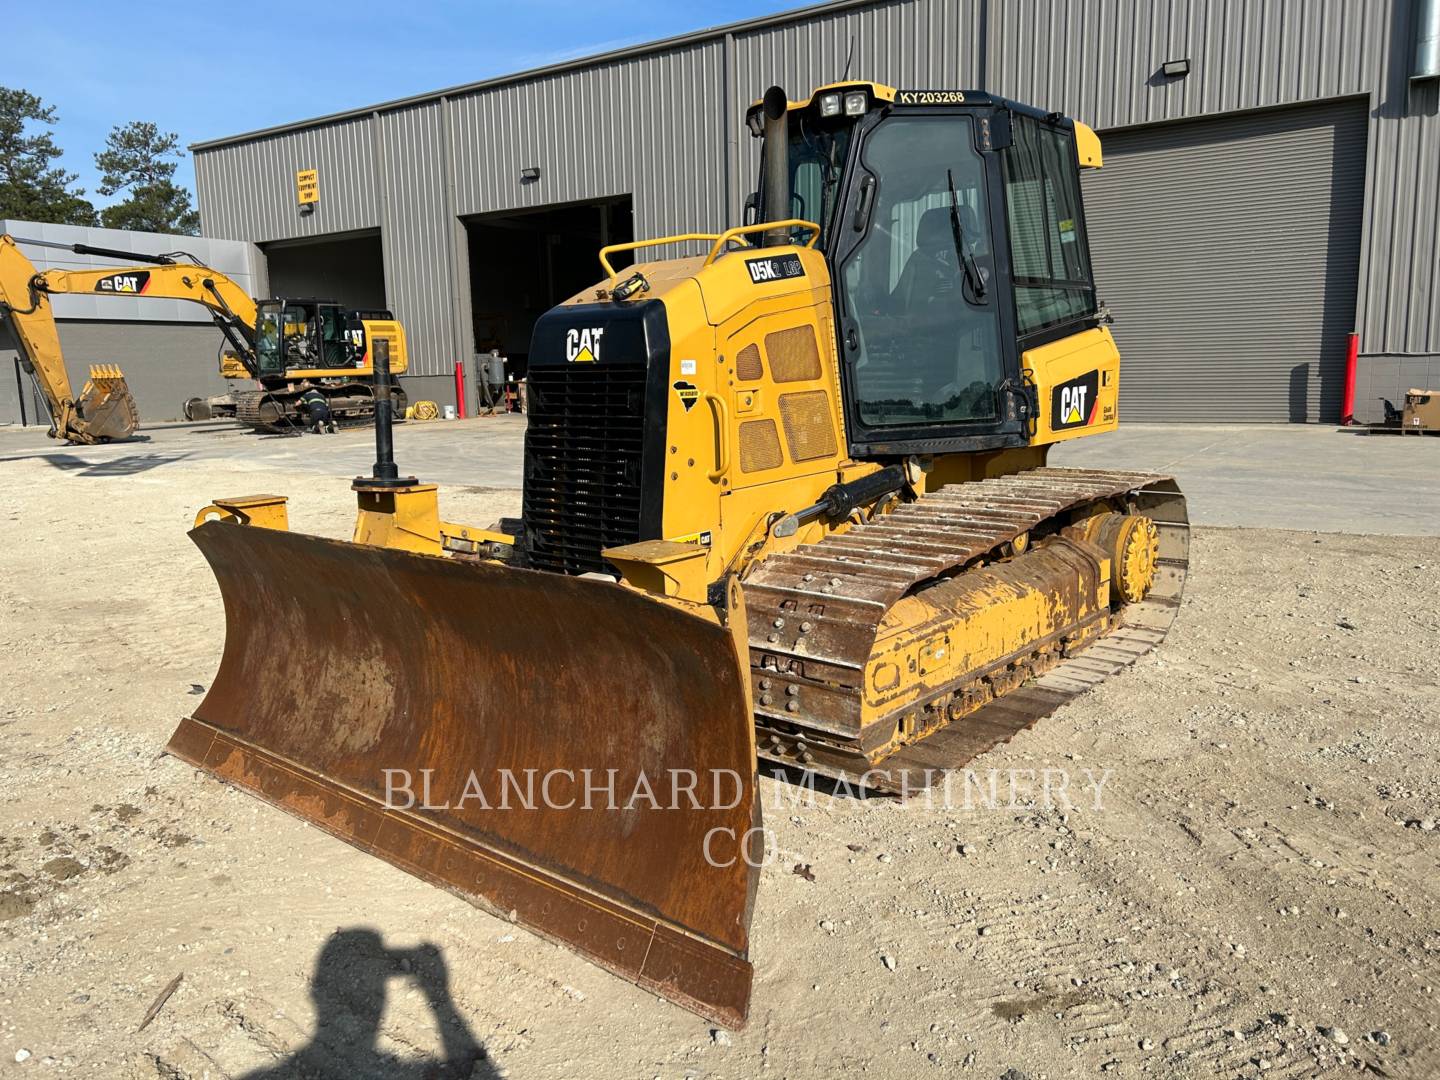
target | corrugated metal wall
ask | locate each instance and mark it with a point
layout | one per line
(666, 128)
(1100, 59)
(417, 234)
(650, 127)
(247, 190)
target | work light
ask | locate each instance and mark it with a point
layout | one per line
(830, 105)
(855, 103)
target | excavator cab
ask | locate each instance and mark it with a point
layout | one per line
(317, 337)
(301, 335)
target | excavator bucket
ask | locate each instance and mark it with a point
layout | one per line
(105, 409)
(566, 753)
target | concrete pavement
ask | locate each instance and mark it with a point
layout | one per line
(1291, 476)
(1285, 476)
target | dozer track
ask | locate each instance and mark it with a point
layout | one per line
(277, 411)
(815, 614)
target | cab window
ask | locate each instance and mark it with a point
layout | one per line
(918, 287)
(1049, 254)
(267, 338)
(332, 338)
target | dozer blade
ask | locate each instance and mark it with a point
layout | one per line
(106, 409)
(351, 670)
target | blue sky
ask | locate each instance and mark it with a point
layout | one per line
(206, 70)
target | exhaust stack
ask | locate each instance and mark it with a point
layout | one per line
(385, 473)
(777, 164)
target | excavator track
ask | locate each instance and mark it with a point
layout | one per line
(275, 412)
(814, 614)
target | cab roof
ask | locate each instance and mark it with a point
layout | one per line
(1087, 143)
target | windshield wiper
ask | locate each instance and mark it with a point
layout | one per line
(967, 261)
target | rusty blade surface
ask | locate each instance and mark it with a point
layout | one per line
(343, 661)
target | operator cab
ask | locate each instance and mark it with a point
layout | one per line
(309, 335)
(953, 227)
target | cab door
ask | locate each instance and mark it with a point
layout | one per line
(926, 327)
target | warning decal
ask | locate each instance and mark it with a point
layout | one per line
(688, 393)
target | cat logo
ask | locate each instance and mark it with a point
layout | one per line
(1072, 403)
(583, 346)
(131, 284)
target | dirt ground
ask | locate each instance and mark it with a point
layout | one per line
(1257, 893)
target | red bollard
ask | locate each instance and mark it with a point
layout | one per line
(460, 389)
(1347, 405)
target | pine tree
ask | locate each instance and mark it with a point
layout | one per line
(137, 160)
(31, 187)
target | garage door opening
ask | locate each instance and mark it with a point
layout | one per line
(1228, 249)
(348, 268)
(522, 263)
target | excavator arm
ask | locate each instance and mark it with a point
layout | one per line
(165, 278)
(104, 409)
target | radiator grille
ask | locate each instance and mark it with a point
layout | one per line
(793, 355)
(759, 446)
(747, 364)
(583, 450)
(808, 430)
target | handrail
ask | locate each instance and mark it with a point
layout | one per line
(738, 231)
(719, 241)
(635, 245)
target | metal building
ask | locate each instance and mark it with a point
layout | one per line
(1270, 184)
(168, 349)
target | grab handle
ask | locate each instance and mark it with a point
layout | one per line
(729, 236)
(722, 429)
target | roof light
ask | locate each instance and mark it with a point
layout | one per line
(756, 123)
(830, 105)
(856, 102)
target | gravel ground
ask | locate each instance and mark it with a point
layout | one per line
(1257, 892)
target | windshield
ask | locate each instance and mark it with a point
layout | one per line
(817, 159)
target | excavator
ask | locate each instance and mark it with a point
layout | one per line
(287, 346)
(786, 503)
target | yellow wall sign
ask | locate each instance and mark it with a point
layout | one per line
(307, 186)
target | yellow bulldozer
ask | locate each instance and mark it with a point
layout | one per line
(786, 502)
(287, 346)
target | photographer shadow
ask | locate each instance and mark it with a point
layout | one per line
(349, 987)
